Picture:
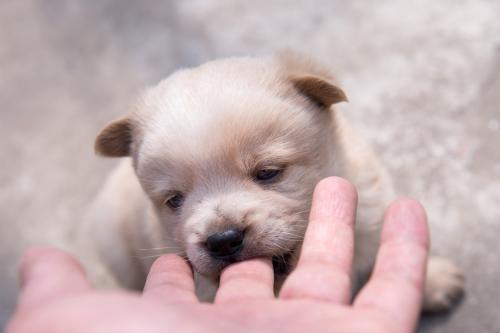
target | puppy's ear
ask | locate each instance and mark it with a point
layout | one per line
(319, 91)
(115, 139)
(310, 78)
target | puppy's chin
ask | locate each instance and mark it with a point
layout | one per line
(283, 264)
(205, 264)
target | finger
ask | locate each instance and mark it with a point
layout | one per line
(47, 274)
(397, 282)
(250, 279)
(170, 279)
(324, 268)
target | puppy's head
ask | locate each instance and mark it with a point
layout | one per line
(229, 154)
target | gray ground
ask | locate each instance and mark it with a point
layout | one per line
(423, 79)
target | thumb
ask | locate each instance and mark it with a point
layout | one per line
(47, 274)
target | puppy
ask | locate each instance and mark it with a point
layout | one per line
(222, 162)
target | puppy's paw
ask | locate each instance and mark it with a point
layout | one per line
(444, 285)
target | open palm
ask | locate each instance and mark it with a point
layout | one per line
(57, 297)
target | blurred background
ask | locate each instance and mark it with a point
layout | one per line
(423, 79)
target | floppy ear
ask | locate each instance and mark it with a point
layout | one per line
(115, 139)
(319, 91)
(310, 78)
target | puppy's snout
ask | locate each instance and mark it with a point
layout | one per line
(225, 244)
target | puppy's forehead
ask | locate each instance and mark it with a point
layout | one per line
(195, 116)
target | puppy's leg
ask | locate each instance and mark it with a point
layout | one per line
(444, 285)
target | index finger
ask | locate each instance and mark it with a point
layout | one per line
(396, 286)
(324, 268)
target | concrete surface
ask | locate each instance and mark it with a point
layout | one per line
(423, 78)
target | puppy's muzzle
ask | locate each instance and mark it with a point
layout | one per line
(225, 245)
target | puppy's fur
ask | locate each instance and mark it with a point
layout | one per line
(204, 133)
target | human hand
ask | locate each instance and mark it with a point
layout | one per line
(57, 297)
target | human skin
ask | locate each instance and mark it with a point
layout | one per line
(57, 297)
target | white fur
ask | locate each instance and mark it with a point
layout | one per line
(201, 132)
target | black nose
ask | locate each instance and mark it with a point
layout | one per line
(224, 244)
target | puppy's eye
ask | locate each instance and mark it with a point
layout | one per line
(175, 201)
(267, 175)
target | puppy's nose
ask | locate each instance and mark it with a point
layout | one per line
(224, 244)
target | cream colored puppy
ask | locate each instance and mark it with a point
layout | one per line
(223, 162)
